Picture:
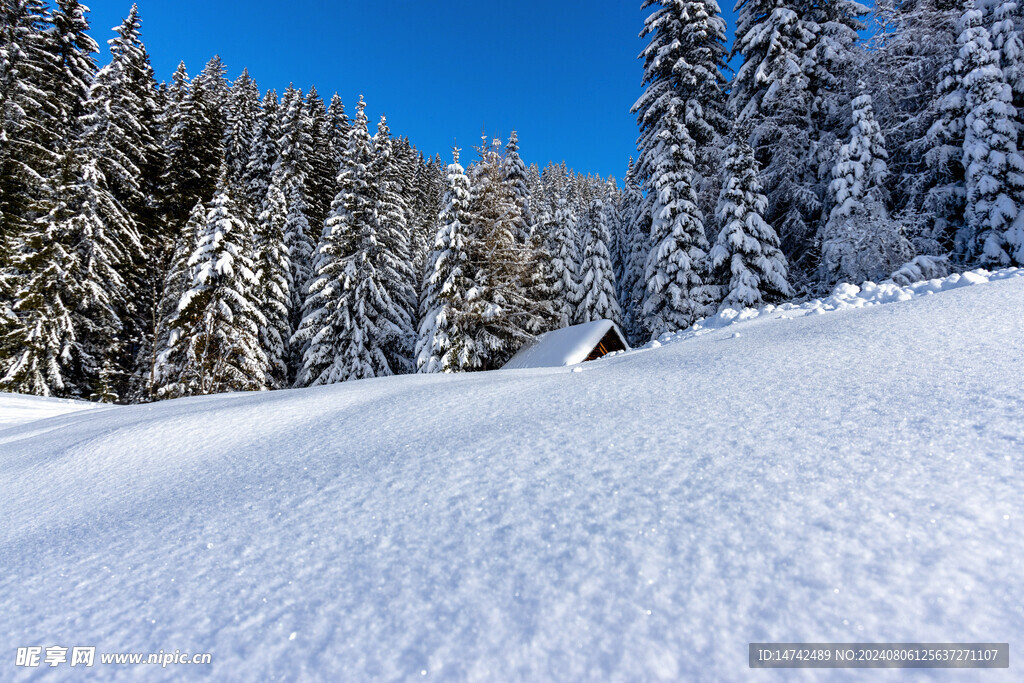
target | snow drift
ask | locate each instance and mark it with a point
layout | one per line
(854, 476)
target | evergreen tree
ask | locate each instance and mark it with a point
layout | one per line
(859, 240)
(68, 330)
(214, 346)
(338, 130)
(598, 278)
(912, 42)
(636, 246)
(391, 216)
(27, 117)
(746, 256)
(789, 90)
(537, 275)
(446, 342)
(177, 282)
(240, 131)
(264, 151)
(515, 177)
(322, 164)
(196, 147)
(76, 67)
(1006, 39)
(946, 193)
(500, 305)
(289, 175)
(562, 232)
(351, 316)
(682, 63)
(994, 168)
(273, 294)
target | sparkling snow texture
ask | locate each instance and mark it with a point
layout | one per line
(854, 476)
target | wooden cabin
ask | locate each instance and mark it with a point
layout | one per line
(570, 345)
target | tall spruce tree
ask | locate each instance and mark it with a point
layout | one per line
(264, 151)
(859, 240)
(504, 316)
(599, 301)
(994, 168)
(790, 91)
(273, 288)
(177, 282)
(682, 65)
(27, 117)
(321, 164)
(746, 255)
(73, 48)
(240, 132)
(289, 175)
(392, 215)
(214, 346)
(446, 342)
(561, 230)
(351, 316)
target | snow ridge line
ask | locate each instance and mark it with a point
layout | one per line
(845, 296)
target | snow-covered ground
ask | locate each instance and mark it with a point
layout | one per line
(16, 409)
(852, 476)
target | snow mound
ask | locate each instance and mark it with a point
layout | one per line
(848, 477)
(844, 297)
(16, 409)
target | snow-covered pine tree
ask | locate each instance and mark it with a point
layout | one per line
(264, 152)
(860, 241)
(500, 306)
(1007, 40)
(120, 122)
(426, 193)
(562, 233)
(597, 275)
(446, 342)
(397, 276)
(73, 48)
(119, 135)
(240, 131)
(27, 151)
(682, 67)
(515, 177)
(537, 274)
(349, 311)
(635, 245)
(994, 177)
(945, 194)
(273, 288)
(196, 145)
(214, 346)
(321, 164)
(912, 41)
(746, 255)
(289, 174)
(339, 129)
(40, 345)
(69, 332)
(177, 282)
(789, 90)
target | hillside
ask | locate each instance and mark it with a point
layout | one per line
(849, 476)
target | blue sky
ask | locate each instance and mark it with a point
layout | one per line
(562, 73)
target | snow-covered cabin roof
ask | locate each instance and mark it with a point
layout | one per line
(569, 345)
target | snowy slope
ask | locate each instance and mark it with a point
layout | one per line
(853, 476)
(16, 409)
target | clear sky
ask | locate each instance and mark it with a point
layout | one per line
(563, 73)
